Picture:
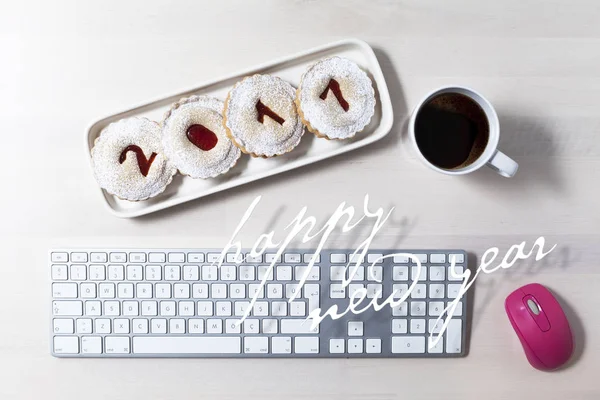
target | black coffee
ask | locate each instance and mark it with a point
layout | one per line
(451, 131)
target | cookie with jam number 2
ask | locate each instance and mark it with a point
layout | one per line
(194, 139)
(260, 116)
(335, 98)
(128, 160)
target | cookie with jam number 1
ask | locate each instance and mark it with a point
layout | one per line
(194, 138)
(335, 98)
(260, 116)
(128, 160)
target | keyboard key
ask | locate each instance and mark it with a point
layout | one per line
(59, 272)
(118, 257)
(97, 272)
(436, 291)
(91, 345)
(195, 257)
(337, 258)
(374, 290)
(232, 326)
(356, 274)
(67, 308)
(172, 272)
(116, 272)
(417, 326)
(355, 287)
(112, 308)
(131, 308)
(262, 272)
(195, 326)
(176, 257)
(312, 293)
(186, 308)
(163, 291)
(355, 346)
(419, 292)
(458, 258)
(140, 325)
(438, 348)
(213, 257)
(337, 291)
(421, 257)
(454, 336)
(436, 308)
(190, 272)
(200, 291)
(121, 326)
(158, 325)
(422, 275)
(293, 258)
(153, 273)
(116, 345)
(283, 273)
(261, 309)
(237, 291)
(150, 308)
(134, 272)
(59, 257)
(64, 290)
(375, 258)
(186, 345)
(125, 290)
(437, 273)
(408, 344)
(269, 257)
(298, 309)
(400, 290)
(232, 258)
(205, 308)
(255, 289)
(309, 256)
(292, 290)
(375, 273)
(251, 326)
(84, 325)
(157, 257)
(399, 326)
(223, 308)
(306, 345)
(337, 272)
(401, 259)
(437, 258)
(274, 291)
(63, 325)
(435, 326)
(247, 272)
(93, 308)
(458, 311)
(177, 326)
(209, 272)
(137, 257)
(313, 275)
(281, 344)
(297, 326)
(78, 272)
(279, 309)
(455, 274)
(418, 308)
(66, 344)
(79, 257)
(240, 308)
(181, 291)
(144, 290)
(256, 259)
(102, 325)
(167, 308)
(453, 290)
(400, 310)
(400, 274)
(98, 257)
(373, 346)
(214, 326)
(355, 328)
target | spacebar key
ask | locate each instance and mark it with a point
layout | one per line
(186, 345)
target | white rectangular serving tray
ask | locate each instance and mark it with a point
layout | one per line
(311, 149)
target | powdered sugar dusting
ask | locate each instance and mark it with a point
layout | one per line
(268, 138)
(327, 116)
(125, 180)
(188, 158)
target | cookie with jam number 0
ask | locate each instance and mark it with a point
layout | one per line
(260, 116)
(194, 138)
(335, 98)
(128, 160)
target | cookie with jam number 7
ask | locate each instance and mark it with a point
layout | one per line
(260, 116)
(335, 98)
(128, 160)
(194, 138)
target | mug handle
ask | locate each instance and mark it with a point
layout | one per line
(503, 164)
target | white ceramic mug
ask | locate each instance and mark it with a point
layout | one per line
(491, 156)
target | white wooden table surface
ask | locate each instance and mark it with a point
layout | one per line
(63, 64)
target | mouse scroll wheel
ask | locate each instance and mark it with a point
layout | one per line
(533, 306)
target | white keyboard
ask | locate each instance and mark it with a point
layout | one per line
(176, 303)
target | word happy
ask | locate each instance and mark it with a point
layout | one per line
(303, 227)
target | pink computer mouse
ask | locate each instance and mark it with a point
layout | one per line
(541, 325)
